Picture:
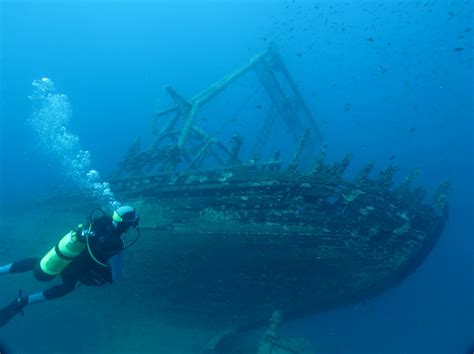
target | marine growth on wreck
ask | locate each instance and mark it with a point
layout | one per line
(247, 236)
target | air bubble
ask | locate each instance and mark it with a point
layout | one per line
(50, 120)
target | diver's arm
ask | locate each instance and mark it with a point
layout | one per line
(116, 264)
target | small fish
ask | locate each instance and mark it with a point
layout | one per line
(347, 107)
(382, 69)
(265, 39)
(412, 130)
(299, 55)
(458, 49)
(234, 120)
(467, 29)
(370, 39)
(392, 157)
(258, 106)
(291, 29)
(204, 119)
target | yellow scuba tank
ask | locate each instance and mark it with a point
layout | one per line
(62, 253)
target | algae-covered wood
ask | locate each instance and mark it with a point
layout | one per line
(236, 244)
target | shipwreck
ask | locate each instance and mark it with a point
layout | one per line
(248, 236)
(234, 230)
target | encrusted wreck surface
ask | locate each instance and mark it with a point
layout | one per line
(247, 240)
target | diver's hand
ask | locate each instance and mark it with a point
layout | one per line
(87, 233)
(80, 233)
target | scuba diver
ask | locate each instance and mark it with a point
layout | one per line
(89, 255)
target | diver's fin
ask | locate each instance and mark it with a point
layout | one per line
(16, 307)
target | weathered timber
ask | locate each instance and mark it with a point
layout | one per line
(386, 175)
(318, 164)
(299, 151)
(251, 240)
(363, 173)
(233, 159)
(181, 127)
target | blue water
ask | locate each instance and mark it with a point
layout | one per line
(384, 79)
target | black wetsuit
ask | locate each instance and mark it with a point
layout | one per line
(104, 244)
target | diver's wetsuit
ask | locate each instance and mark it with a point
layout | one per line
(104, 244)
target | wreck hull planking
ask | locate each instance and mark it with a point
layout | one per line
(228, 247)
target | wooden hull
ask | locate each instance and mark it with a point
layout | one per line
(220, 245)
